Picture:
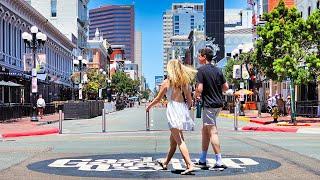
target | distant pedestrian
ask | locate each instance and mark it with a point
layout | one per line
(177, 89)
(41, 104)
(258, 102)
(210, 85)
(288, 105)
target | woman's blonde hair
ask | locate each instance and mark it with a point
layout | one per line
(180, 75)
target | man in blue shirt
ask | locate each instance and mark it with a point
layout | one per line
(210, 85)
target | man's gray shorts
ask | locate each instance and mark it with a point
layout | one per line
(210, 115)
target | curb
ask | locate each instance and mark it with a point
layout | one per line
(269, 129)
(30, 133)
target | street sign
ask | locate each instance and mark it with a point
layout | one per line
(241, 85)
(80, 93)
(27, 62)
(236, 72)
(41, 63)
(158, 80)
(245, 73)
(34, 85)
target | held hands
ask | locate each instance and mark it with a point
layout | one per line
(148, 108)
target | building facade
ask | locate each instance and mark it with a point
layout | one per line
(180, 20)
(131, 70)
(306, 7)
(179, 47)
(274, 3)
(117, 59)
(197, 41)
(311, 91)
(97, 54)
(238, 28)
(214, 25)
(116, 24)
(138, 52)
(17, 17)
(70, 17)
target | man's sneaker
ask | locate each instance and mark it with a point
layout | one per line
(219, 167)
(201, 164)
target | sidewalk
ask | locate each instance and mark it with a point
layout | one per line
(24, 127)
(265, 123)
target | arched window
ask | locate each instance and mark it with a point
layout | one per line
(318, 4)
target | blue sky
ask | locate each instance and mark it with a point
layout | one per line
(148, 20)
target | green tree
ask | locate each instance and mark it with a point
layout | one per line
(124, 84)
(284, 48)
(145, 94)
(96, 81)
(244, 58)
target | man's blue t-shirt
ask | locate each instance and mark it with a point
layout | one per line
(212, 79)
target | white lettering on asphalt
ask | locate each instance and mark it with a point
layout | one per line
(145, 164)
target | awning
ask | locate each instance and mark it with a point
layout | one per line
(62, 83)
(10, 84)
(42, 77)
(3, 83)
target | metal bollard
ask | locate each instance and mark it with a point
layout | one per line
(103, 120)
(235, 121)
(147, 121)
(60, 121)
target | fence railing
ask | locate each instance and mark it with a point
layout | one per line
(17, 111)
(308, 108)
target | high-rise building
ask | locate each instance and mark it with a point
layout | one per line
(70, 17)
(214, 18)
(116, 24)
(138, 52)
(180, 20)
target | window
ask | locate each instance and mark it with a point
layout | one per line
(53, 8)
(10, 39)
(309, 10)
(318, 4)
(176, 18)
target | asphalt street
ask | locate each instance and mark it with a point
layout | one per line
(126, 151)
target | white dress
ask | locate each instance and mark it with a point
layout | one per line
(178, 114)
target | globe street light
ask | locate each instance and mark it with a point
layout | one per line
(80, 62)
(34, 41)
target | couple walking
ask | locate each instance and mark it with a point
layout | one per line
(210, 85)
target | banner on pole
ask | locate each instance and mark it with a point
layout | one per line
(34, 85)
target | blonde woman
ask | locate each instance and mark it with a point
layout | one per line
(176, 88)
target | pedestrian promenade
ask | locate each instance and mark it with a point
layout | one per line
(265, 123)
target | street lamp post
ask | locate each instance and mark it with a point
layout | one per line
(34, 41)
(100, 89)
(80, 62)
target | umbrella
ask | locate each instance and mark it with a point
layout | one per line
(244, 92)
(229, 92)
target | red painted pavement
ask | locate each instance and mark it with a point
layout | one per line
(265, 122)
(270, 128)
(24, 127)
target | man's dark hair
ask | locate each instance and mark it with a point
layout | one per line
(208, 52)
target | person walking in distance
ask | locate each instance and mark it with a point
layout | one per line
(177, 88)
(41, 104)
(210, 85)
